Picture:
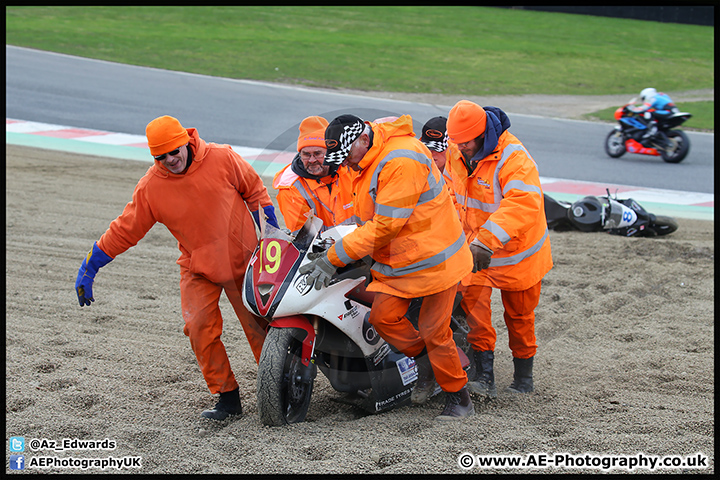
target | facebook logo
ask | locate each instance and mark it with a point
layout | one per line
(17, 462)
(17, 444)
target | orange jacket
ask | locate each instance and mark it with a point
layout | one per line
(501, 204)
(205, 209)
(329, 198)
(452, 152)
(408, 223)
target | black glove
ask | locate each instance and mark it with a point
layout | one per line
(481, 255)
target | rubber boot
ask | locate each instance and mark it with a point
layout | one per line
(459, 405)
(426, 384)
(523, 377)
(228, 404)
(484, 382)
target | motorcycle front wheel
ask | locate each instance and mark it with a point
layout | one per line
(663, 225)
(615, 144)
(678, 149)
(284, 384)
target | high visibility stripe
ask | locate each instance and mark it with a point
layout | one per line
(499, 194)
(522, 186)
(342, 254)
(430, 262)
(496, 230)
(393, 212)
(435, 187)
(477, 204)
(310, 197)
(520, 256)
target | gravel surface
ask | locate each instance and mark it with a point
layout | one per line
(624, 368)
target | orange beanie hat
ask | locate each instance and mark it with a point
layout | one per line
(165, 134)
(312, 132)
(466, 121)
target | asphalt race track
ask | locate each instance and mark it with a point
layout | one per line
(83, 93)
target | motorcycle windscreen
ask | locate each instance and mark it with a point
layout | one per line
(274, 264)
(619, 216)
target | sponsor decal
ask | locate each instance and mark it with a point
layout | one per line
(381, 353)
(407, 369)
(432, 133)
(391, 400)
(301, 284)
(482, 182)
(368, 331)
(352, 313)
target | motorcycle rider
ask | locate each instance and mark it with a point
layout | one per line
(188, 179)
(500, 201)
(656, 105)
(408, 225)
(307, 186)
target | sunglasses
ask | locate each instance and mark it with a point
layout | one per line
(162, 157)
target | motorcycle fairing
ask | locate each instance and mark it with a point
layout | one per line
(633, 146)
(392, 379)
(633, 122)
(298, 321)
(274, 263)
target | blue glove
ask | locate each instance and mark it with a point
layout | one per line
(95, 259)
(269, 216)
(320, 270)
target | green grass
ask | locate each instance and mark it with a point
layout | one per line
(455, 50)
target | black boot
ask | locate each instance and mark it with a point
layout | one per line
(483, 383)
(426, 384)
(229, 404)
(459, 405)
(523, 377)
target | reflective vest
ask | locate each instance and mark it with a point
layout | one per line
(329, 199)
(407, 219)
(501, 204)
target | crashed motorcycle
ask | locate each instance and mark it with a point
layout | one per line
(615, 216)
(325, 329)
(667, 142)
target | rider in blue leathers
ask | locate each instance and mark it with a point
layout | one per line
(655, 105)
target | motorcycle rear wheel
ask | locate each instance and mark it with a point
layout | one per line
(615, 144)
(282, 397)
(681, 144)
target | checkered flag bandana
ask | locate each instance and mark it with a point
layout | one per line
(340, 135)
(434, 134)
(438, 146)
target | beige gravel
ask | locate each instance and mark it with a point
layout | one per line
(625, 362)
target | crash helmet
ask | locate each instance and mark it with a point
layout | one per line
(647, 94)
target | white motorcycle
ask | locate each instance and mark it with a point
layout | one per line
(326, 329)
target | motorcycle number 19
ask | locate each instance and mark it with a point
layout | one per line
(270, 256)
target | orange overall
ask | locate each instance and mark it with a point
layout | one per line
(207, 209)
(408, 225)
